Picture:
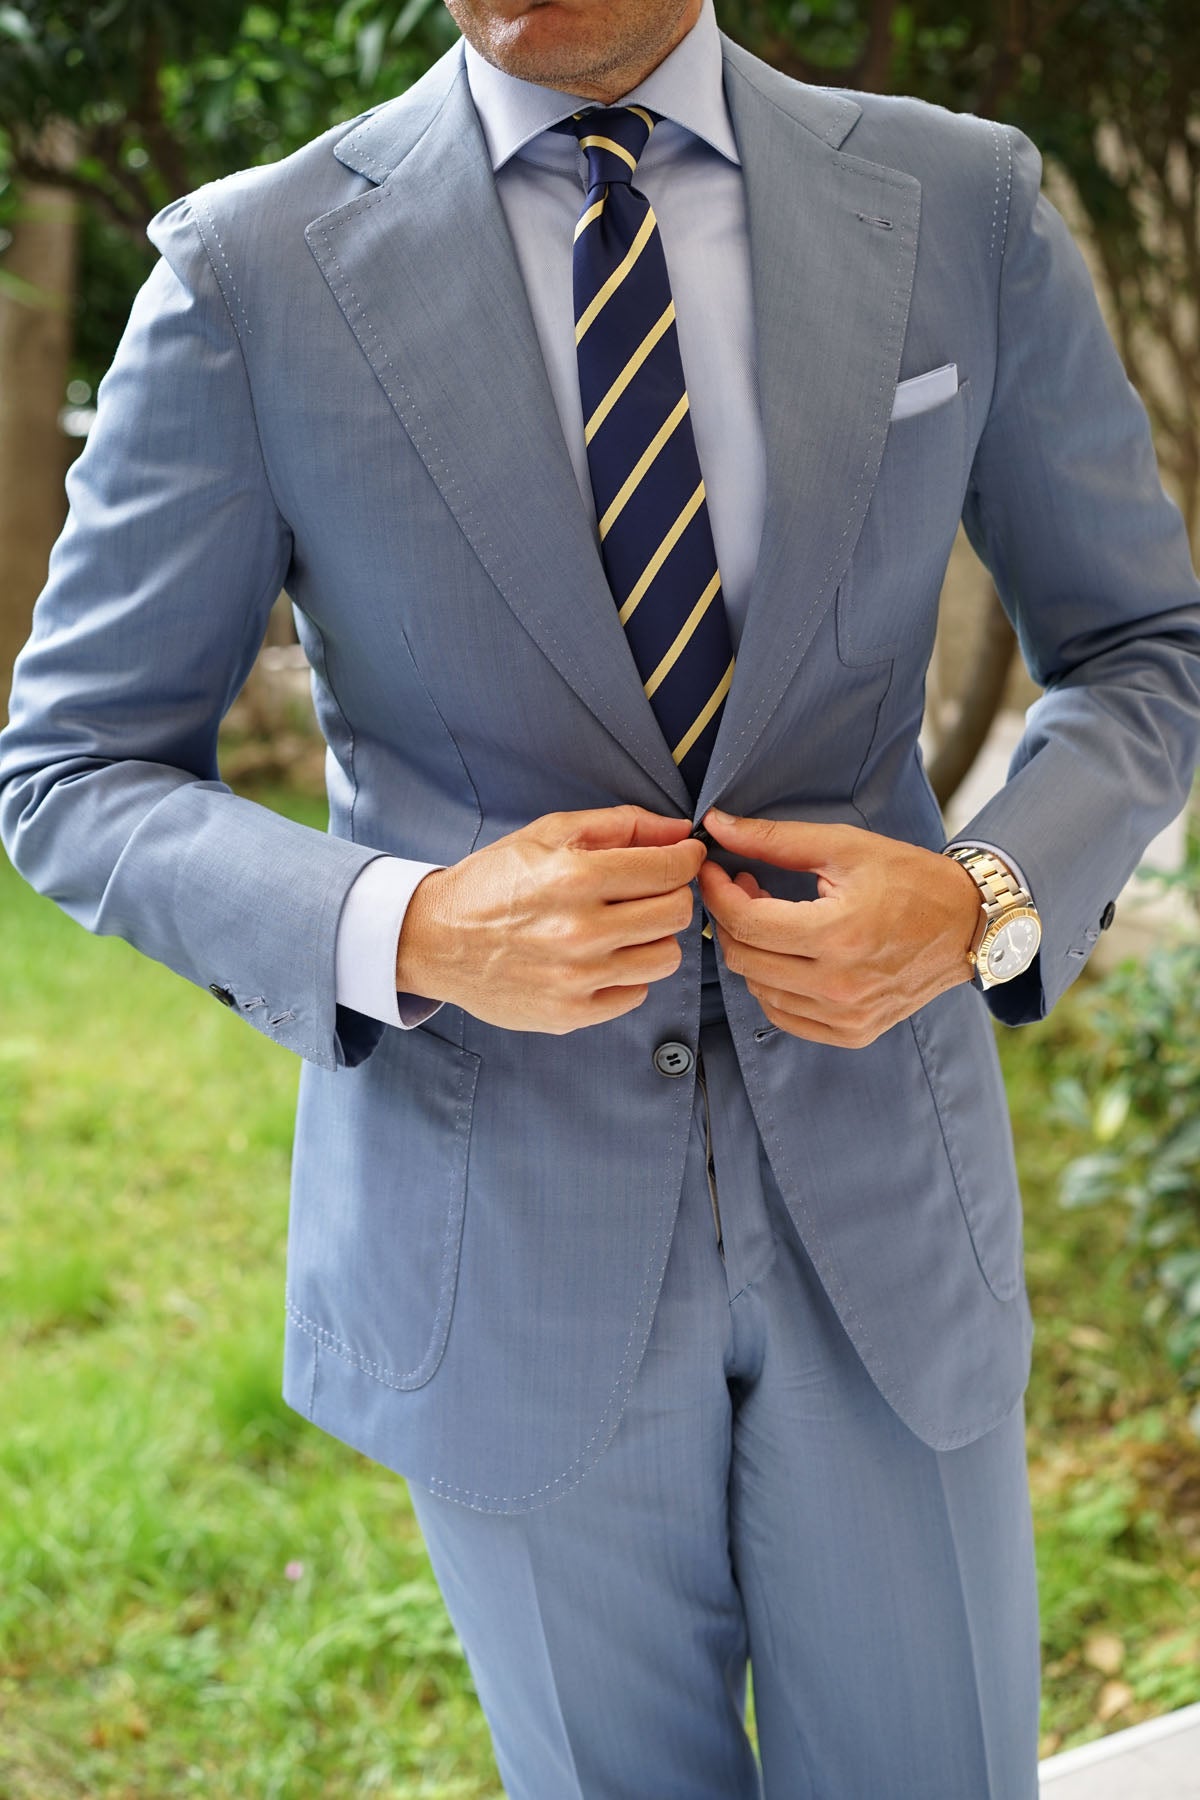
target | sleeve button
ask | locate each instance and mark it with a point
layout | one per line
(223, 994)
(1108, 915)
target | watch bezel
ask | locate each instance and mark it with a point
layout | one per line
(992, 930)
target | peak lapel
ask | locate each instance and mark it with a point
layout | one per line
(833, 247)
(423, 268)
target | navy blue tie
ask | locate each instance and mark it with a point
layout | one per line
(655, 535)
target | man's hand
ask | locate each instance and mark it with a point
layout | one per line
(889, 931)
(562, 924)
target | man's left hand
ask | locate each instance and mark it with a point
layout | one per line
(889, 931)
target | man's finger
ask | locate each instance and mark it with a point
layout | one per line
(640, 873)
(614, 828)
(792, 927)
(609, 1003)
(638, 963)
(815, 1031)
(645, 921)
(796, 976)
(788, 843)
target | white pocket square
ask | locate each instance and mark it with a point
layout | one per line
(926, 391)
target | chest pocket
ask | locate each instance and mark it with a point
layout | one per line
(888, 597)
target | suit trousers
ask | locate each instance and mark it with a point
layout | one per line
(759, 1502)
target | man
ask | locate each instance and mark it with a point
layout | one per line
(680, 1275)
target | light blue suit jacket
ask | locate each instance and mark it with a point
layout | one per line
(332, 381)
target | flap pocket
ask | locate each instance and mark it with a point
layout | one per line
(957, 1046)
(378, 1203)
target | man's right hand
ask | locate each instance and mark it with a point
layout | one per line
(562, 924)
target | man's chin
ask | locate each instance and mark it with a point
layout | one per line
(549, 44)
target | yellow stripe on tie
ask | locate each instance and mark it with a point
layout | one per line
(643, 115)
(632, 366)
(634, 479)
(618, 275)
(603, 143)
(661, 554)
(593, 212)
(689, 737)
(686, 632)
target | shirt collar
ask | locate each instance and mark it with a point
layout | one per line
(687, 87)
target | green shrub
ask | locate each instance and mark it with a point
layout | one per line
(1139, 1099)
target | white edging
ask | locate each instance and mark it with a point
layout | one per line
(1119, 1743)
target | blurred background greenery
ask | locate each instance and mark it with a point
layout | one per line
(198, 1593)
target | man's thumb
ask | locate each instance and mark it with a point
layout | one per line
(788, 843)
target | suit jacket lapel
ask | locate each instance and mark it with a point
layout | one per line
(833, 247)
(423, 268)
(423, 260)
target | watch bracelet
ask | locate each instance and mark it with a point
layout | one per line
(999, 888)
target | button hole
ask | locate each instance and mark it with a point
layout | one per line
(883, 224)
(765, 1031)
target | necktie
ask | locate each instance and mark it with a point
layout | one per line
(655, 537)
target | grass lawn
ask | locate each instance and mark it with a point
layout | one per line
(200, 1594)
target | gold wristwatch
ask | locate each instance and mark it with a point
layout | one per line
(1011, 930)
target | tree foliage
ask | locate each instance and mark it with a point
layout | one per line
(164, 95)
(1110, 91)
(1129, 143)
(1137, 1100)
(970, 55)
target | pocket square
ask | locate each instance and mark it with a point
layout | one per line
(925, 391)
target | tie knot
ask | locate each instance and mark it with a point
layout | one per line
(613, 139)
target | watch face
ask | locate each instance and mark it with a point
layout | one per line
(1014, 947)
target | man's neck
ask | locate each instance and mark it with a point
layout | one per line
(623, 81)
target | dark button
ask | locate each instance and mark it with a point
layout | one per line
(674, 1060)
(1108, 915)
(222, 994)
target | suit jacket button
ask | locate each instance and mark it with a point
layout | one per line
(1108, 915)
(223, 994)
(674, 1060)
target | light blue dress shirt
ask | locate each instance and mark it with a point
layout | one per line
(691, 174)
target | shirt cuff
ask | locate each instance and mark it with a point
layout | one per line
(978, 844)
(367, 936)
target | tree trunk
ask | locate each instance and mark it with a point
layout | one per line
(979, 702)
(37, 274)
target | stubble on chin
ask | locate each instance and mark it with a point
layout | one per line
(572, 52)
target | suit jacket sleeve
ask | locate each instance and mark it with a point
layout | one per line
(1091, 562)
(159, 590)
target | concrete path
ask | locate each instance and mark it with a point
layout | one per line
(1159, 1760)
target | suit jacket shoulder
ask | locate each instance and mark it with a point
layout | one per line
(253, 217)
(965, 165)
